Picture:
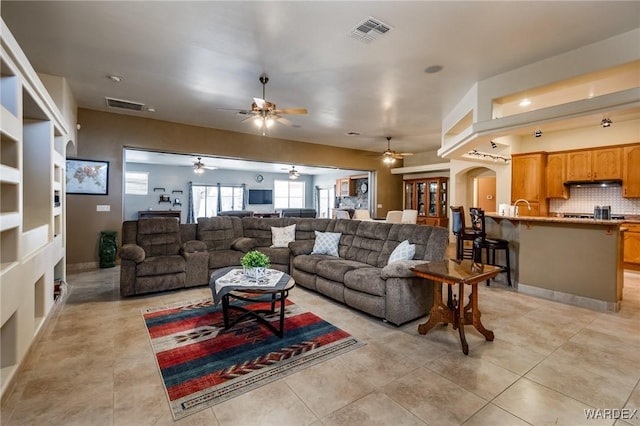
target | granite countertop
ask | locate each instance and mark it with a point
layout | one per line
(557, 219)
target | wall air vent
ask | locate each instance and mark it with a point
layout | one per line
(369, 30)
(122, 104)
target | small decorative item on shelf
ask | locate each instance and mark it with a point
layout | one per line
(164, 199)
(255, 264)
(177, 202)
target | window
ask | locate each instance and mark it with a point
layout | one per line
(288, 194)
(136, 183)
(207, 198)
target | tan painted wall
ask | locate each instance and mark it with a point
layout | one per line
(104, 135)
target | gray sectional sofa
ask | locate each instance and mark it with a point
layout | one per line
(360, 277)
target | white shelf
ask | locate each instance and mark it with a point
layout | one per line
(57, 211)
(9, 174)
(9, 220)
(59, 160)
(11, 125)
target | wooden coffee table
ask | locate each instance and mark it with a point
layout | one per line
(458, 272)
(240, 287)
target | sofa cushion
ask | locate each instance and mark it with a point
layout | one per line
(281, 237)
(309, 262)
(335, 269)
(244, 244)
(326, 243)
(161, 265)
(159, 236)
(277, 255)
(403, 251)
(368, 243)
(366, 280)
(219, 232)
(260, 229)
(223, 258)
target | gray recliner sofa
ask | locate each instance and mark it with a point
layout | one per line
(360, 277)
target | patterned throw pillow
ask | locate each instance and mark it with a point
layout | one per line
(326, 243)
(403, 251)
(281, 237)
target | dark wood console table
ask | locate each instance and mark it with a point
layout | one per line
(453, 272)
(143, 214)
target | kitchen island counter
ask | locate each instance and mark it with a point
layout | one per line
(572, 260)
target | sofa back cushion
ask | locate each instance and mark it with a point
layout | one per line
(369, 242)
(306, 227)
(219, 232)
(260, 228)
(430, 241)
(159, 236)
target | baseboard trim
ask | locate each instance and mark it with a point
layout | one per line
(570, 299)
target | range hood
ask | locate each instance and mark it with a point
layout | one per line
(592, 183)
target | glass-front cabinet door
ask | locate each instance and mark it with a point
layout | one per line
(443, 198)
(408, 195)
(433, 198)
(421, 198)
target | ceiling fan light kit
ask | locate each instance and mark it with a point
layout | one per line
(390, 156)
(265, 113)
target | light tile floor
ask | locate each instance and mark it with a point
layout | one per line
(92, 365)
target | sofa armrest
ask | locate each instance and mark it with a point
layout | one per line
(300, 247)
(400, 269)
(132, 252)
(194, 246)
(244, 244)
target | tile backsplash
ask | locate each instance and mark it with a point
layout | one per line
(583, 200)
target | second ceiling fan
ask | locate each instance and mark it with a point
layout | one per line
(389, 156)
(265, 113)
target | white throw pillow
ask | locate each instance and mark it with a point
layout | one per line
(327, 243)
(281, 237)
(403, 251)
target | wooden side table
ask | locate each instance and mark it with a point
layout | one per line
(458, 272)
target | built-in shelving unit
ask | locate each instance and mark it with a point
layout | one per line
(33, 140)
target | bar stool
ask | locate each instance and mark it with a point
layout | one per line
(462, 233)
(489, 244)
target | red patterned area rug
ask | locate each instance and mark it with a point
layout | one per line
(201, 364)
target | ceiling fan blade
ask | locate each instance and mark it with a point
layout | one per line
(282, 120)
(259, 102)
(248, 117)
(405, 154)
(292, 111)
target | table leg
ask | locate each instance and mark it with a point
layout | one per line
(460, 319)
(439, 312)
(475, 313)
(225, 310)
(283, 296)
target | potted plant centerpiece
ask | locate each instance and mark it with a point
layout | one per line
(255, 264)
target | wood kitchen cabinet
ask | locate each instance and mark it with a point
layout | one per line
(632, 245)
(528, 182)
(344, 188)
(594, 164)
(557, 176)
(429, 197)
(631, 171)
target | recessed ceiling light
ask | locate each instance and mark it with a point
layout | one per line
(115, 78)
(525, 103)
(433, 69)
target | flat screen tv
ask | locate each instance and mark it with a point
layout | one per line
(260, 196)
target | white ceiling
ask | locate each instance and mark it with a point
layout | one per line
(190, 59)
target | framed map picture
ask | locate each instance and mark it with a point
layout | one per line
(87, 177)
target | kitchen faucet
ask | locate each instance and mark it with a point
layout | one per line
(515, 205)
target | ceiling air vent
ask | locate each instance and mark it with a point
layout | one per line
(369, 30)
(122, 104)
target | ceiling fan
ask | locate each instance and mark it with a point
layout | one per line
(199, 167)
(265, 113)
(390, 156)
(293, 173)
